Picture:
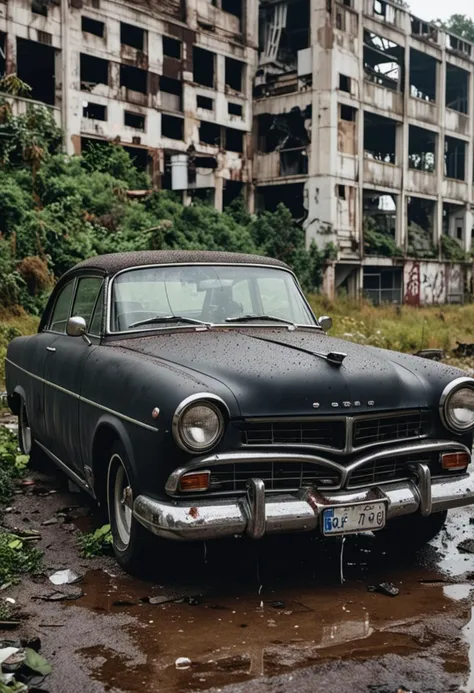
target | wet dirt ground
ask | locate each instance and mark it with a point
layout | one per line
(271, 616)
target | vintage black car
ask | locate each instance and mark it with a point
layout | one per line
(198, 396)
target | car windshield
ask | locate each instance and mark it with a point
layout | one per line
(211, 294)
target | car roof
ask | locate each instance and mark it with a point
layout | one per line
(115, 262)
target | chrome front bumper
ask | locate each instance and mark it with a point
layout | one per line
(256, 514)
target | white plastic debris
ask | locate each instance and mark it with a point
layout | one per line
(10, 600)
(64, 577)
(183, 663)
(7, 652)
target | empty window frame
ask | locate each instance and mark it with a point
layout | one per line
(132, 36)
(36, 65)
(457, 89)
(234, 74)
(93, 70)
(172, 127)
(423, 76)
(422, 149)
(233, 7)
(454, 158)
(133, 78)
(383, 61)
(40, 7)
(348, 113)
(172, 93)
(380, 138)
(210, 133)
(134, 120)
(235, 109)
(345, 83)
(92, 26)
(203, 67)
(205, 102)
(234, 140)
(94, 111)
(172, 47)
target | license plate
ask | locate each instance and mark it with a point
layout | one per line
(348, 519)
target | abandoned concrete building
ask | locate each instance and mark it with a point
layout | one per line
(355, 114)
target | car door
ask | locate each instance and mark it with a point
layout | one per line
(64, 373)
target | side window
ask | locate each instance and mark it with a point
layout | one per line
(86, 296)
(96, 323)
(62, 308)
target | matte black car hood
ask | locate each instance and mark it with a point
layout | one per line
(270, 379)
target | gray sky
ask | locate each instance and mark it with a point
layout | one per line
(432, 9)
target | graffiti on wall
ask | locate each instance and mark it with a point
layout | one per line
(432, 283)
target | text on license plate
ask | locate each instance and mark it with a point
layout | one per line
(354, 518)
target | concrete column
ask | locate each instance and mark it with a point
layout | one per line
(219, 67)
(441, 97)
(403, 138)
(218, 193)
(468, 224)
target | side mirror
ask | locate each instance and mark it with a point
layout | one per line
(325, 323)
(76, 327)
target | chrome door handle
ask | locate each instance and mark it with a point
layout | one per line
(53, 349)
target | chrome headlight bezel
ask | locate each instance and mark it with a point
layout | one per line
(215, 404)
(446, 397)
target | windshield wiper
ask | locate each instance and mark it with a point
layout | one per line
(251, 316)
(169, 318)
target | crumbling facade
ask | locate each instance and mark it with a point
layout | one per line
(170, 80)
(364, 127)
(355, 114)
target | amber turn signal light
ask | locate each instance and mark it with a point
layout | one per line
(195, 481)
(455, 460)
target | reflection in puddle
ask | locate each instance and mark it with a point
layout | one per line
(457, 592)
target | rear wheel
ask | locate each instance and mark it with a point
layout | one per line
(411, 532)
(131, 541)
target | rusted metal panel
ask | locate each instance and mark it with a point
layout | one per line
(172, 67)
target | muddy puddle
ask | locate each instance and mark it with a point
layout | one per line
(241, 612)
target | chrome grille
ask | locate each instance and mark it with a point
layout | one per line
(323, 433)
(384, 429)
(390, 469)
(278, 476)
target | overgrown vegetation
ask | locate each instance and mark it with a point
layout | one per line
(379, 241)
(420, 242)
(12, 464)
(451, 250)
(17, 557)
(96, 543)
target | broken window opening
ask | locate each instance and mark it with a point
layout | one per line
(345, 83)
(233, 190)
(420, 228)
(40, 7)
(284, 131)
(233, 7)
(172, 127)
(384, 10)
(210, 133)
(235, 109)
(292, 195)
(423, 76)
(133, 78)
(424, 30)
(348, 113)
(92, 26)
(205, 102)
(172, 47)
(204, 196)
(457, 89)
(234, 140)
(134, 120)
(284, 30)
(458, 45)
(132, 36)
(3, 54)
(454, 158)
(234, 74)
(341, 192)
(94, 111)
(294, 162)
(422, 149)
(36, 67)
(93, 71)
(383, 61)
(347, 141)
(454, 233)
(139, 157)
(172, 93)
(203, 67)
(380, 223)
(383, 285)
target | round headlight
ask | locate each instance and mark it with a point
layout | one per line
(458, 407)
(199, 427)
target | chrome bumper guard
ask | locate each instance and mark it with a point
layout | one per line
(256, 514)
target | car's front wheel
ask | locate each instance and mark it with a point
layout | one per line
(25, 439)
(131, 541)
(411, 532)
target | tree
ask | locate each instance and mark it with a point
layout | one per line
(459, 24)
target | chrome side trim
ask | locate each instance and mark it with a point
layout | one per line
(448, 391)
(67, 470)
(239, 457)
(84, 399)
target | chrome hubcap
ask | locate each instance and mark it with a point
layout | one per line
(123, 501)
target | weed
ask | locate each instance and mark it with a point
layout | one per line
(12, 464)
(16, 558)
(95, 543)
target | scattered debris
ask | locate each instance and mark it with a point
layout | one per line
(65, 577)
(386, 588)
(277, 605)
(463, 350)
(466, 546)
(57, 596)
(432, 354)
(183, 663)
(51, 521)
